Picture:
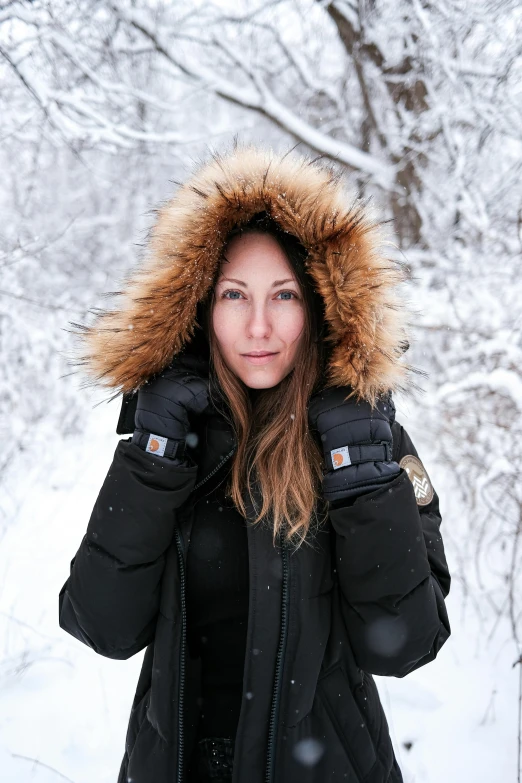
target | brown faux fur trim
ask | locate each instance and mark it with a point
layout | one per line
(360, 286)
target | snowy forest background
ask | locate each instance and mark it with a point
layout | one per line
(103, 106)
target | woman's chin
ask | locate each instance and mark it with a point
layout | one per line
(262, 380)
(256, 382)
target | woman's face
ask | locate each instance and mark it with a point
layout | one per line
(258, 307)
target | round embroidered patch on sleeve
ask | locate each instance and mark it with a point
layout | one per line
(419, 478)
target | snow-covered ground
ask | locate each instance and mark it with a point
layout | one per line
(64, 710)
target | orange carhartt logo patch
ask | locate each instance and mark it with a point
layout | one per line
(419, 478)
(156, 445)
(340, 457)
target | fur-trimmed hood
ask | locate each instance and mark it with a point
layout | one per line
(360, 286)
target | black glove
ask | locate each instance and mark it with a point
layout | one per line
(357, 442)
(165, 405)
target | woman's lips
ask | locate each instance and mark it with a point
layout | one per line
(259, 359)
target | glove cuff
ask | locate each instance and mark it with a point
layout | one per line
(347, 484)
(357, 453)
(159, 445)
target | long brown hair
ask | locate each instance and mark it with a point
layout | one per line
(275, 445)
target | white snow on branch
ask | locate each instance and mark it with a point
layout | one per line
(261, 99)
(500, 381)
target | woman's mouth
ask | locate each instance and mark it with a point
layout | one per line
(261, 357)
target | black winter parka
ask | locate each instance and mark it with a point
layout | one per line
(364, 596)
(367, 597)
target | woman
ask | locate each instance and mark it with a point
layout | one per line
(268, 533)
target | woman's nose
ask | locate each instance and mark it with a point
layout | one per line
(259, 321)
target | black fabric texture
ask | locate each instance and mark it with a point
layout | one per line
(217, 608)
(127, 415)
(111, 599)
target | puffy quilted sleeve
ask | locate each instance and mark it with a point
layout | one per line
(110, 601)
(392, 570)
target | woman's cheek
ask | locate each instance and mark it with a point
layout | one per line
(291, 325)
(226, 323)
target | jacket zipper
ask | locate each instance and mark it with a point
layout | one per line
(227, 456)
(181, 690)
(276, 697)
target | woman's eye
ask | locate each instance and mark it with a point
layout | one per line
(234, 299)
(224, 294)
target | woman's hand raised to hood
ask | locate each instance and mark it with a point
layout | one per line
(112, 596)
(167, 405)
(356, 440)
(389, 555)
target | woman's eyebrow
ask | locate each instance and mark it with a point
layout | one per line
(240, 282)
